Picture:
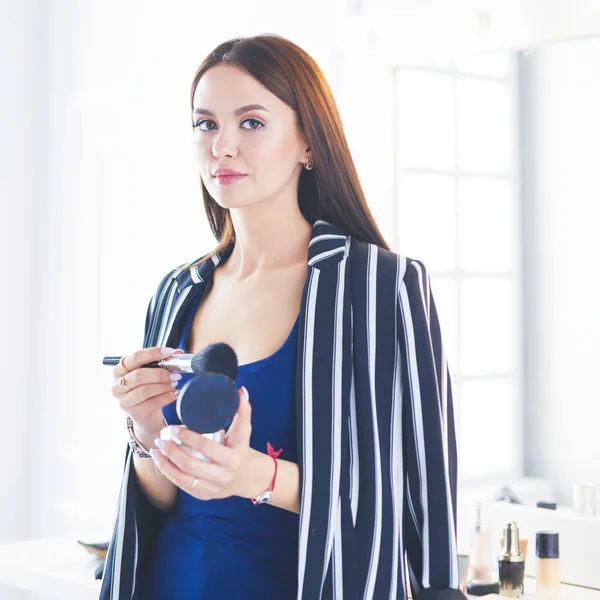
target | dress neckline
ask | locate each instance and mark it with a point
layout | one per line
(274, 354)
(184, 337)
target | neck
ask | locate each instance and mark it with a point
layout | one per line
(268, 236)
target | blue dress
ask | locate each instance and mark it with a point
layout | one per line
(230, 548)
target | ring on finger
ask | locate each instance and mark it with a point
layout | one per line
(123, 384)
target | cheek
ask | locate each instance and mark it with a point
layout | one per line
(270, 156)
(201, 152)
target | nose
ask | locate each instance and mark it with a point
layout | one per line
(225, 144)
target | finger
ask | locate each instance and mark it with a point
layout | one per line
(141, 357)
(217, 453)
(141, 376)
(208, 472)
(142, 410)
(157, 402)
(241, 427)
(142, 393)
(204, 490)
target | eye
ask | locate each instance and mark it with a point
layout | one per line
(255, 124)
(201, 125)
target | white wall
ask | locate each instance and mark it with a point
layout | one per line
(18, 189)
(561, 125)
(95, 105)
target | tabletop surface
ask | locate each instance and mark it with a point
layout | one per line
(61, 568)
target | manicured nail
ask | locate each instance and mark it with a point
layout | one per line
(160, 444)
(175, 376)
(153, 454)
(198, 454)
(245, 393)
(174, 433)
(167, 350)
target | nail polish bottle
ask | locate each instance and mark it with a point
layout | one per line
(511, 563)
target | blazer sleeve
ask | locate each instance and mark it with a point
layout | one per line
(429, 444)
(137, 521)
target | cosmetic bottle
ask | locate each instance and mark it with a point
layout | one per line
(481, 579)
(511, 563)
(481, 557)
(584, 502)
(547, 561)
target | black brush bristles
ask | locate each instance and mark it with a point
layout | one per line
(216, 358)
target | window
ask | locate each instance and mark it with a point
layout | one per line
(456, 209)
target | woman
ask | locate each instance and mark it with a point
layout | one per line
(340, 352)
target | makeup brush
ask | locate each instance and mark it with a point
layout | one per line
(216, 358)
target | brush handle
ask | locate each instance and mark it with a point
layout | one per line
(114, 360)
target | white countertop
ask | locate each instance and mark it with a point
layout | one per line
(55, 567)
(61, 568)
(565, 592)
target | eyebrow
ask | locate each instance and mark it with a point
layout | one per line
(237, 112)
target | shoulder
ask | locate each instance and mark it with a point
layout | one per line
(384, 263)
(183, 270)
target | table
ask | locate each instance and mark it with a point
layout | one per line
(61, 568)
(53, 567)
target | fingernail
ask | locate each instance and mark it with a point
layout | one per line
(153, 454)
(175, 376)
(160, 444)
(165, 434)
(245, 393)
(174, 433)
(167, 350)
(198, 454)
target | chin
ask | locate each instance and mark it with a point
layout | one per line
(231, 201)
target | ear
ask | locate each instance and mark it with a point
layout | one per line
(306, 155)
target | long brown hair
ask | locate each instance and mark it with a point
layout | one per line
(331, 190)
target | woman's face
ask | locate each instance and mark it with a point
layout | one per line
(241, 126)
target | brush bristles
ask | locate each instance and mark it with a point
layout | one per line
(216, 358)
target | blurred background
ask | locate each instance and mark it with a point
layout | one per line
(484, 165)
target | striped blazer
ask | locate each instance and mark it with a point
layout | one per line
(375, 430)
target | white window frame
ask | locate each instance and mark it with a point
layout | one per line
(366, 90)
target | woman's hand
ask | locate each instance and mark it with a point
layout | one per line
(149, 389)
(228, 470)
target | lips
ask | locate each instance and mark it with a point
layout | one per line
(226, 173)
(227, 176)
(227, 179)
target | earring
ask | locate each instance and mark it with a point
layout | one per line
(309, 164)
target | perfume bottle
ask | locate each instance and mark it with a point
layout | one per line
(511, 563)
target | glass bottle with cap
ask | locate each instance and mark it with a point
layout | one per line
(511, 563)
(547, 560)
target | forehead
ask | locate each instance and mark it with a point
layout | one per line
(224, 88)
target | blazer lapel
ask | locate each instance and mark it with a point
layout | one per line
(185, 288)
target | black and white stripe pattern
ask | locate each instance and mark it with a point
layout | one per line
(375, 429)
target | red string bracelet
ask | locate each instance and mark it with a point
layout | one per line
(266, 496)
